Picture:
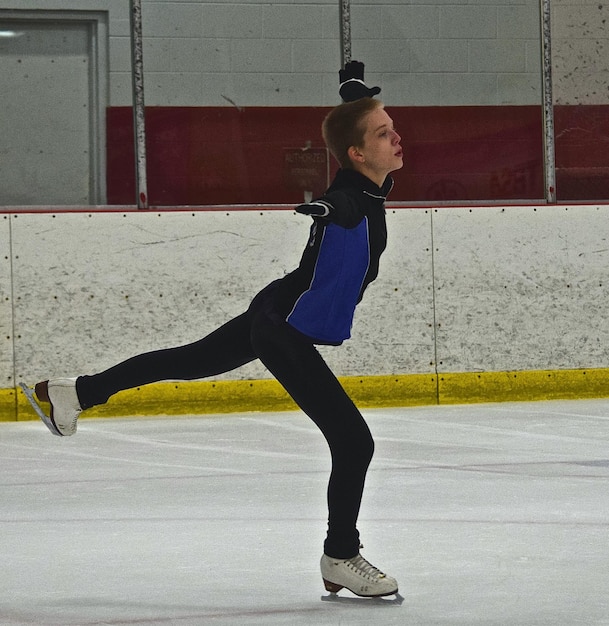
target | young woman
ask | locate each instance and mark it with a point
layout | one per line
(312, 305)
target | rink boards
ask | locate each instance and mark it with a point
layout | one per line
(472, 303)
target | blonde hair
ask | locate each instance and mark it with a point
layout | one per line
(343, 127)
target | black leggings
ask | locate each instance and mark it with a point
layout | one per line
(295, 362)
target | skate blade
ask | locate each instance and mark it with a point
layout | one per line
(396, 600)
(334, 588)
(48, 422)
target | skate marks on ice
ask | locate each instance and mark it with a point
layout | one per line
(486, 514)
(48, 422)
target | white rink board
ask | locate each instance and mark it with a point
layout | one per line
(514, 288)
(393, 325)
(97, 288)
(117, 284)
(6, 316)
(522, 288)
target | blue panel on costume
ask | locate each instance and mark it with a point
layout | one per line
(325, 310)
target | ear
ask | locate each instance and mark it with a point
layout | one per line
(355, 155)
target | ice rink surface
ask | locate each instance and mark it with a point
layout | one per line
(494, 515)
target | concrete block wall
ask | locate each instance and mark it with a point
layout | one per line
(287, 53)
(254, 52)
(434, 52)
(581, 48)
(425, 55)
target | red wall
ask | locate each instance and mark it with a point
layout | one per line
(223, 155)
(582, 152)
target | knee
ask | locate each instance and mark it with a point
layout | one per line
(356, 449)
(368, 447)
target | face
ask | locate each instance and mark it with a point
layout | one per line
(381, 152)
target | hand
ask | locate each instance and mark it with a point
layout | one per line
(318, 208)
(352, 85)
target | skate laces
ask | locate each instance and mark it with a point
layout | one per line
(364, 567)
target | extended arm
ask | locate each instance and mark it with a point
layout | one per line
(336, 206)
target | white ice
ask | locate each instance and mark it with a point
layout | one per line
(494, 515)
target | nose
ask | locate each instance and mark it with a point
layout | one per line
(396, 137)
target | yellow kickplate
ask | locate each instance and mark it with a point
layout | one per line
(469, 387)
(235, 396)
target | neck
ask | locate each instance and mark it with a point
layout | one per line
(378, 178)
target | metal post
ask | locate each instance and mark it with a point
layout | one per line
(345, 31)
(137, 73)
(548, 104)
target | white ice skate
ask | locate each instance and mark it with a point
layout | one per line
(357, 575)
(60, 393)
